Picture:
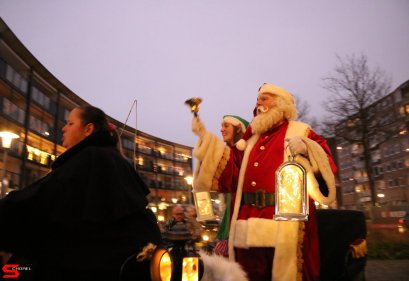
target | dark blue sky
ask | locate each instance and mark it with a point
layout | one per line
(163, 52)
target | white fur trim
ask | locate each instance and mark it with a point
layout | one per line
(274, 90)
(234, 122)
(318, 164)
(218, 268)
(240, 239)
(285, 255)
(256, 232)
(250, 143)
(208, 151)
(262, 232)
(241, 145)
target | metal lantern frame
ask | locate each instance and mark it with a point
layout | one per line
(203, 205)
(175, 264)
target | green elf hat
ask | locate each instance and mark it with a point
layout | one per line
(236, 121)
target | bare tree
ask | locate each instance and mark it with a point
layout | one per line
(354, 88)
(303, 108)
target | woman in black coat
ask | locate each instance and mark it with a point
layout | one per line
(82, 220)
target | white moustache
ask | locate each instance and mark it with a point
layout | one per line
(262, 109)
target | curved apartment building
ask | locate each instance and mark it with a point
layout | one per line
(34, 105)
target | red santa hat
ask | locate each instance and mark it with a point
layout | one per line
(266, 88)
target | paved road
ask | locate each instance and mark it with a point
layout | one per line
(387, 270)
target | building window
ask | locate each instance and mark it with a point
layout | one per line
(381, 184)
(404, 110)
(39, 156)
(16, 79)
(40, 98)
(128, 144)
(145, 149)
(405, 92)
(13, 111)
(179, 171)
(39, 126)
(400, 165)
(63, 114)
(407, 109)
(376, 171)
(181, 157)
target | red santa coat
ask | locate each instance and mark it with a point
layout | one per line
(253, 227)
(263, 161)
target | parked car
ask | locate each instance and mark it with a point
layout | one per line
(403, 222)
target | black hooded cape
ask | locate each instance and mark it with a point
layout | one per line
(86, 216)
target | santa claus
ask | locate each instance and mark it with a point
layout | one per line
(265, 248)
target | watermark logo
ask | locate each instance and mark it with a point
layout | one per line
(12, 271)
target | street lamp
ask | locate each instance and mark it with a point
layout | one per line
(189, 181)
(7, 138)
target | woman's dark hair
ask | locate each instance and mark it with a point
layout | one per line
(237, 133)
(94, 115)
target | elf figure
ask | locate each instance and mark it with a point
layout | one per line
(232, 130)
(267, 249)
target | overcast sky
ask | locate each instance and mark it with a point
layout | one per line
(162, 52)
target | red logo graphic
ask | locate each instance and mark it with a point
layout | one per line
(10, 271)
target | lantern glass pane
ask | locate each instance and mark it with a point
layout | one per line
(165, 266)
(204, 207)
(190, 270)
(291, 181)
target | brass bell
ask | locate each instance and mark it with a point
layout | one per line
(194, 104)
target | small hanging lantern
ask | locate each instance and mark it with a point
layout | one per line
(291, 192)
(177, 262)
(204, 206)
(161, 265)
(171, 265)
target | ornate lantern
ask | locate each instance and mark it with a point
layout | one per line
(176, 263)
(204, 206)
(165, 266)
(291, 192)
(161, 265)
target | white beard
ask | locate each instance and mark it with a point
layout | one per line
(266, 119)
